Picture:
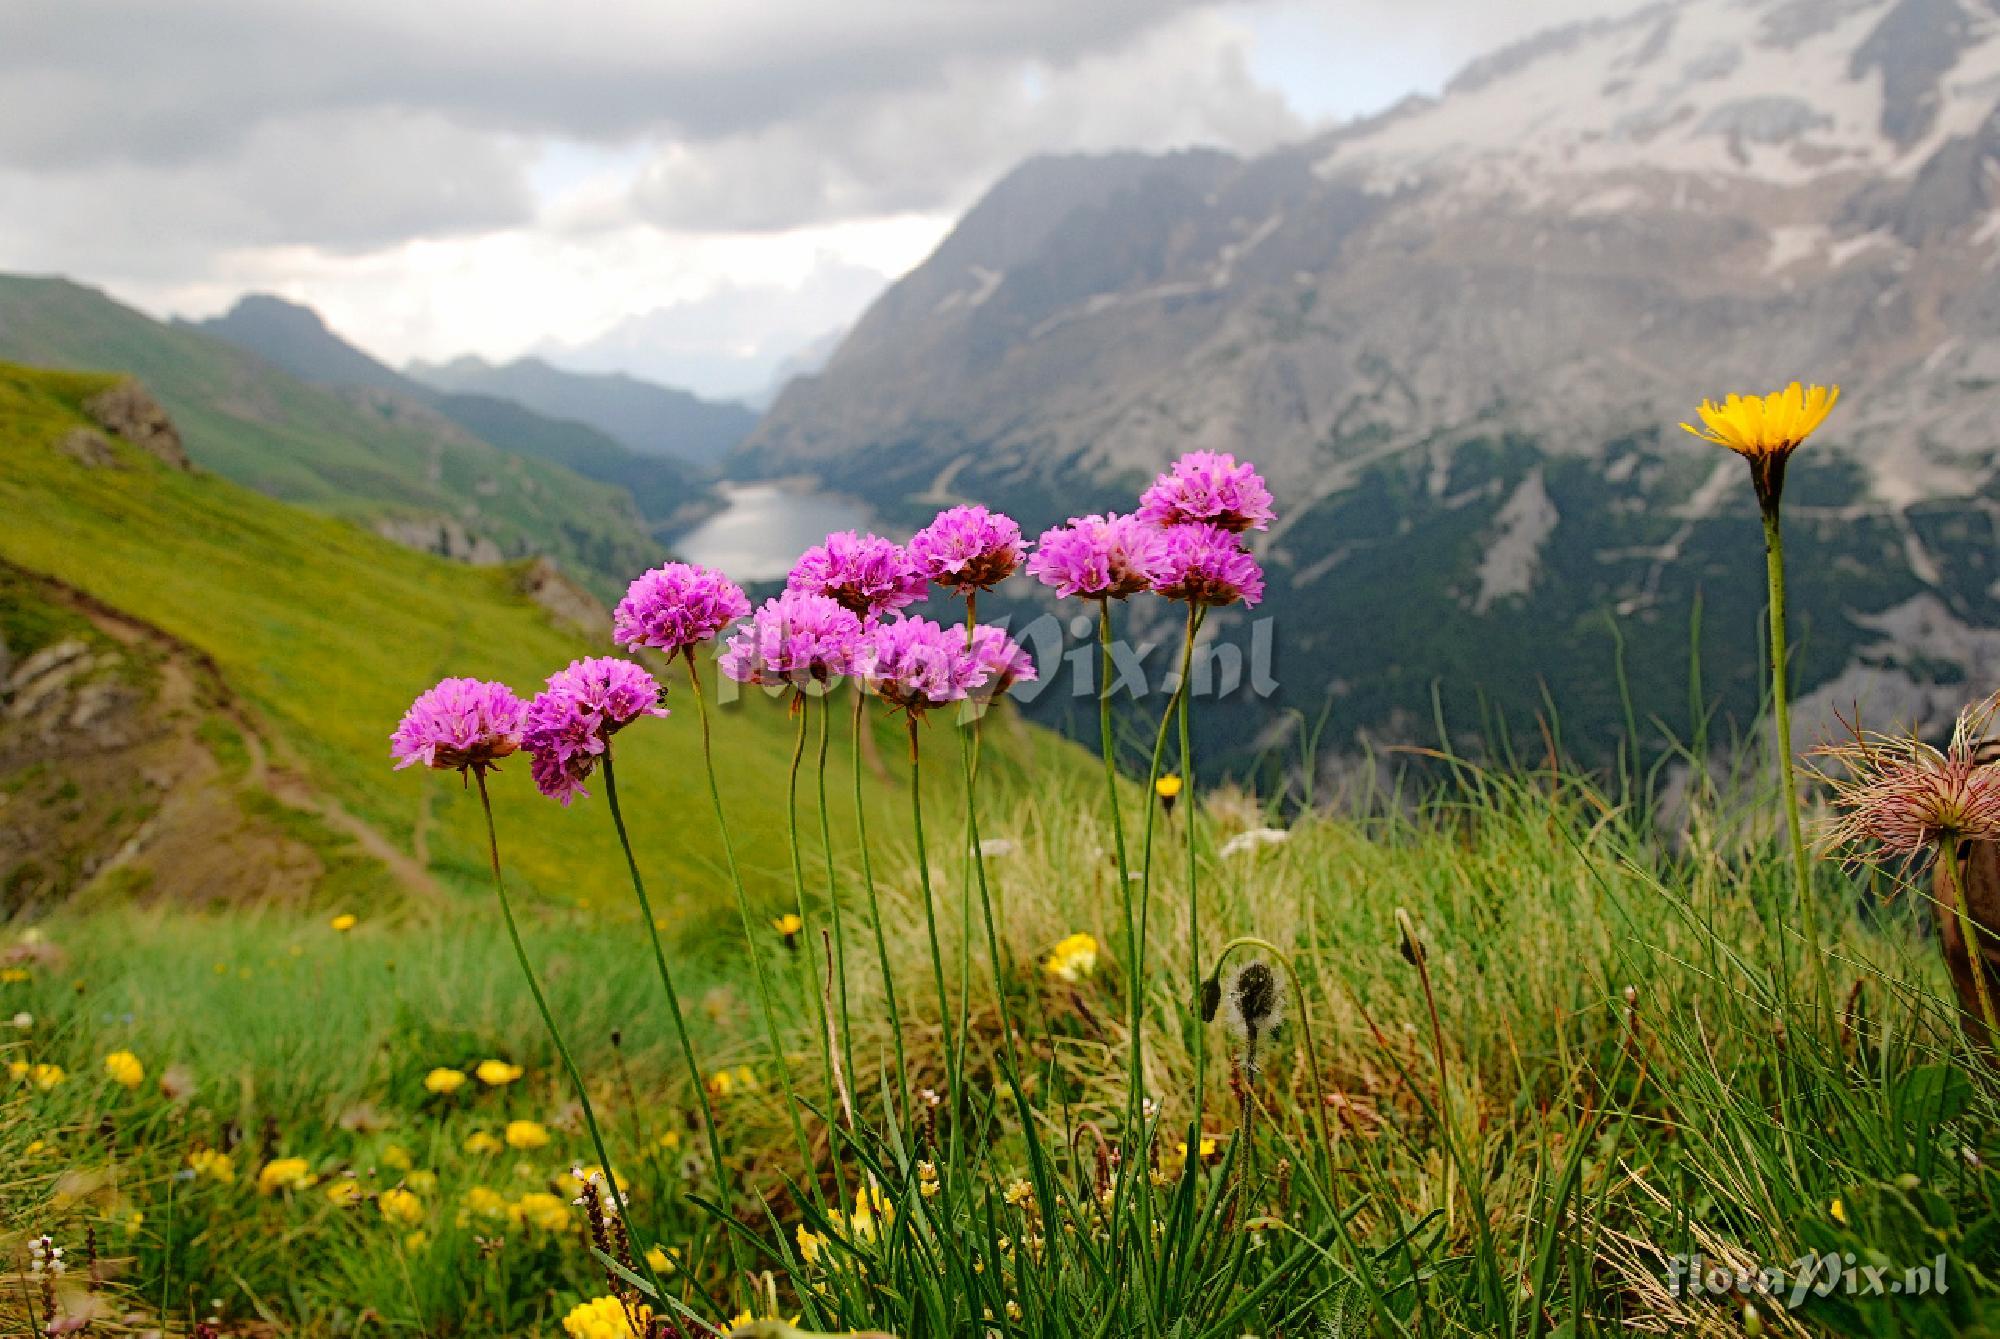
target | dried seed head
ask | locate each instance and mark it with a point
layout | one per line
(1253, 1004)
(1211, 998)
(1411, 947)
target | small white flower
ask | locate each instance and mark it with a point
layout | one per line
(23, 1021)
(995, 847)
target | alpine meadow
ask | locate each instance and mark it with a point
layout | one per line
(1408, 743)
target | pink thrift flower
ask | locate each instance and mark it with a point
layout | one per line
(967, 549)
(914, 664)
(1205, 564)
(570, 723)
(460, 723)
(998, 662)
(677, 607)
(1209, 488)
(795, 639)
(868, 574)
(1100, 557)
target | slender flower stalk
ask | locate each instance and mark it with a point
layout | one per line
(673, 996)
(548, 1017)
(772, 1034)
(833, 885)
(1765, 430)
(868, 884)
(802, 706)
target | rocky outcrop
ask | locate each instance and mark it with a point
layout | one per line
(568, 604)
(442, 535)
(128, 410)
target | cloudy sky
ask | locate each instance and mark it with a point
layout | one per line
(688, 190)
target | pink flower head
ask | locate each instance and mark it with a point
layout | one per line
(1210, 488)
(998, 662)
(1206, 564)
(458, 724)
(868, 574)
(677, 607)
(570, 723)
(1100, 557)
(967, 549)
(1902, 795)
(797, 639)
(914, 664)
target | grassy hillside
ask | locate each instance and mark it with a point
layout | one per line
(360, 455)
(325, 632)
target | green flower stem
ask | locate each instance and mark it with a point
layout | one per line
(771, 1032)
(814, 1002)
(874, 903)
(955, 1095)
(1968, 930)
(1194, 897)
(1774, 564)
(1135, 1003)
(833, 889)
(673, 996)
(548, 1018)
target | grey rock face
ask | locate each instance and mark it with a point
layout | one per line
(129, 411)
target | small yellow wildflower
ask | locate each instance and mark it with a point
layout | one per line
(344, 922)
(670, 1141)
(214, 1165)
(45, 1077)
(1766, 429)
(726, 1081)
(605, 1318)
(540, 1209)
(397, 1157)
(810, 1243)
(344, 1192)
(1839, 1212)
(482, 1142)
(416, 1241)
(788, 927)
(743, 1318)
(497, 1073)
(284, 1174)
(486, 1202)
(124, 1069)
(444, 1082)
(1018, 1193)
(662, 1259)
(527, 1135)
(1168, 788)
(868, 1206)
(1073, 958)
(927, 1180)
(423, 1182)
(400, 1206)
(13, 976)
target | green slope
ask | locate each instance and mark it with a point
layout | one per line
(362, 455)
(326, 632)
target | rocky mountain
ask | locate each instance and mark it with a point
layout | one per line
(669, 492)
(648, 418)
(1458, 337)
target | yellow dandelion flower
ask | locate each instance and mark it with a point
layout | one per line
(1766, 429)
(1072, 959)
(497, 1073)
(605, 1318)
(482, 1142)
(1167, 787)
(526, 1135)
(213, 1165)
(444, 1082)
(124, 1069)
(788, 924)
(284, 1174)
(400, 1206)
(344, 922)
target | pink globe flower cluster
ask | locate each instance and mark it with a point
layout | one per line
(460, 723)
(571, 721)
(798, 639)
(967, 549)
(868, 574)
(676, 608)
(1183, 542)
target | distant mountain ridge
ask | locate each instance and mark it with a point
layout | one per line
(1458, 337)
(646, 417)
(669, 491)
(374, 456)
